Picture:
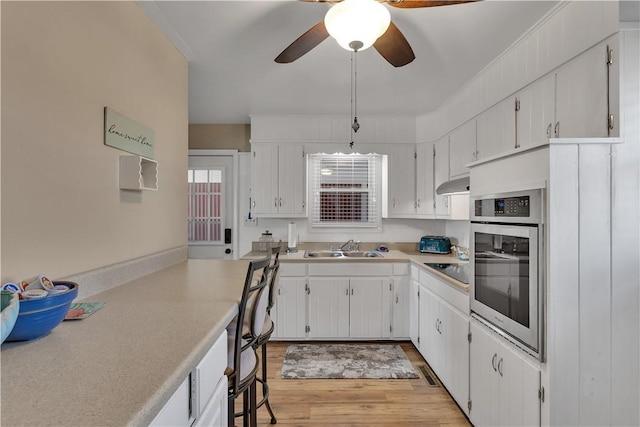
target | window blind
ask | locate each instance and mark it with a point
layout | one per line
(204, 207)
(345, 189)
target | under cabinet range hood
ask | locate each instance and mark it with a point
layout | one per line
(455, 186)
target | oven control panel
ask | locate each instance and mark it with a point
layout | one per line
(503, 207)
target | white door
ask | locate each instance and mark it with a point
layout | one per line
(328, 307)
(210, 206)
(369, 317)
(290, 310)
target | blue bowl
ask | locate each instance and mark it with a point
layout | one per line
(37, 317)
(10, 308)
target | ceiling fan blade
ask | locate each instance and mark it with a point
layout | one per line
(394, 47)
(303, 44)
(409, 4)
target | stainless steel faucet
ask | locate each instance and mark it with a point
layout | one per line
(350, 245)
(345, 244)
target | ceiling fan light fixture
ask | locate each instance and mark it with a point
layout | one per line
(357, 21)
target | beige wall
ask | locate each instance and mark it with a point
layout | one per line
(220, 136)
(62, 63)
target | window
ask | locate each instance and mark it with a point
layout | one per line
(205, 206)
(345, 189)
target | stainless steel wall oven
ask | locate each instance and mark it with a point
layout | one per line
(506, 283)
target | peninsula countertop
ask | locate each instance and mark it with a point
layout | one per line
(120, 365)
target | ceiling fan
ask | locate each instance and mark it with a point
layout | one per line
(392, 44)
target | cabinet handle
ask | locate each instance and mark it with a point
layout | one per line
(549, 131)
(394, 203)
(500, 366)
(253, 204)
(347, 292)
(446, 201)
(275, 202)
(435, 325)
(280, 201)
(279, 292)
(610, 121)
(418, 203)
(556, 130)
(493, 361)
(396, 299)
(440, 326)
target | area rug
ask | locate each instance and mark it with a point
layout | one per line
(362, 361)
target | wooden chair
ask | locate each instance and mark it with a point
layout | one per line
(243, 333)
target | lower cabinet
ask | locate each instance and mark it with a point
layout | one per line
(505, 382)
(439, 330)
(349, 308)
(342, 300)
(201, 399)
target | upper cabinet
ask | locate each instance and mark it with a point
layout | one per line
(402, 181)
(278, 180)
(425, 163)
(463, 151)
(587, 95)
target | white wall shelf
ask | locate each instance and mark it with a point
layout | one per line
(138, 173)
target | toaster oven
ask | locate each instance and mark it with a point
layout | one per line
(435, 245)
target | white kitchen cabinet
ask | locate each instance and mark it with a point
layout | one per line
(357, 307)
(328, 307)
(462, 141)
(402, 181)
(414, 309)
(425, 188)
(201, 399)
(401, 301)
(441, 175)
(443, 334)
(215, 413)
(289, 310)
(536, 115)
(497, 129)
(177, 410)
(587, 93)
(504, 382)
(278, 180)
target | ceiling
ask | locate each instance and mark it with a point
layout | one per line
(231, 46)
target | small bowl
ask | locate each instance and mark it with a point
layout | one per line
(10, 309)
(38, 317)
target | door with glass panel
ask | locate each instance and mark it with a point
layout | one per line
(210, 206)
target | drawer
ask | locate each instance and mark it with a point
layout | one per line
(350, 269)
(293, 269)
(401, 269)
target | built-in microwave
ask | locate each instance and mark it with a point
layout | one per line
(506, 274)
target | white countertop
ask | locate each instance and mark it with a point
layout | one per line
(120, 365)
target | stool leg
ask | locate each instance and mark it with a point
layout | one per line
(265, 388)
(253, 411)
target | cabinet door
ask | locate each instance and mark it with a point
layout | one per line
(462, 141)
(369, 315)
(414, 314)
(291, 180)
(402, 178)
(328, 307)
(519, 385)
(457, 330)
(425, 191)
(177, 411)
(441, 162)
(264, 174)
(536, 117)
(497, 129)
(215, 412)
(290, 308)
(430, 341)
(401, 298)
(484, 379)
(581, 97)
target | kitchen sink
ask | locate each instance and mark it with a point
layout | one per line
(341, 254)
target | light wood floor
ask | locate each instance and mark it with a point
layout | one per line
(352, 402)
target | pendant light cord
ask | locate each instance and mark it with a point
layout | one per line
(354, 93)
